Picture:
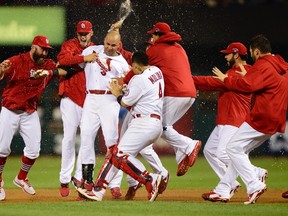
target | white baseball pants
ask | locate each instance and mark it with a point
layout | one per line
(244, 141)
(71, 116)
(28, 125)
(173, 109)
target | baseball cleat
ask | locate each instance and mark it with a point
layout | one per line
(132, 191)
(95, 195)
(194, 154)
(285, 194)
(77, 183)
(163, 184)
(188, 160)
(153, 187)
(252, 198)
(116, 193)
(25, 185)
(2, 191)
(64, 190)
(214, 197)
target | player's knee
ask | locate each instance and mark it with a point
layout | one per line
(232, 149)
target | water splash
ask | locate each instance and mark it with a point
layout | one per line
(125, 10)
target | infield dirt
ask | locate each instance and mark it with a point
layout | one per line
(52, 195)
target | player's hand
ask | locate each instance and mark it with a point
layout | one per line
(4, 66)
(219, 75)
(91, 57)
(115, 88)
(116, 26)
(40, 73)
(243, 70)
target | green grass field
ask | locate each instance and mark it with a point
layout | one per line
(45, 175)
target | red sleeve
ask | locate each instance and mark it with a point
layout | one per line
(208, 83)
(250, 83)
(128, 77)
(126, 54)
(70, 53)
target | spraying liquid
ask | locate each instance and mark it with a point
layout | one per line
(124, 11)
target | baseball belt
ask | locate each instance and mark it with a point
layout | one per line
(95, 91)
(151, 115)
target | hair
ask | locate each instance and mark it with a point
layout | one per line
(262, 43)
(140, 58)
(243, 57)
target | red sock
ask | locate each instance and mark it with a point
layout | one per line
(25, 167)
(2, 164)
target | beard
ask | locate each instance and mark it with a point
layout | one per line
(39, 59)
(231, 62)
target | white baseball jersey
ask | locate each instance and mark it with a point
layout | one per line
(100, 72)
(145, 92)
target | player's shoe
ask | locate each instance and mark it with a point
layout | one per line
(64, 189)
(132, 191)
(86, 187)
(163, 184)
(214, 197)
(263, 175)
(234, 190)
(77, 183)
(116, 193)
(252, 198)
(96, 194)
(194, 154)
(2, 191)
(25, 185)
(188, 160)
(285, 194)
(153, 186)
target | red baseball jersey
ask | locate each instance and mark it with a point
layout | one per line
(173, 61)
(73, 86)
(269, 102)
(22, 92)
(233, 106)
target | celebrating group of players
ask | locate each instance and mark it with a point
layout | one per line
(157, 88)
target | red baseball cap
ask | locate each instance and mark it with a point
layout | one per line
(235, 47)
(160, 27)
(41, 41)
(84, 26)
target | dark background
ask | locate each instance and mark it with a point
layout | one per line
(205, 26)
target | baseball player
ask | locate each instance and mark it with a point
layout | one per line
(144, 97)
(229, 117)
(100, 106)
(72, 92)
(180, 93)
(148, 153)
(267, 116)
(19, 104)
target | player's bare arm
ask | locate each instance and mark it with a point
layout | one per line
(219, 75)
(4, 66)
